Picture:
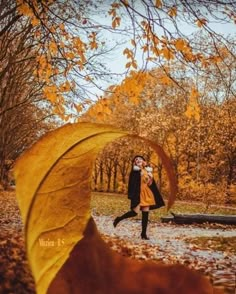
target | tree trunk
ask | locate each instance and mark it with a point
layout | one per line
(101, 175)
(200, 219)
(229, 182)
(108, 181)
(159, 172)
(115, 178)
(95, 177)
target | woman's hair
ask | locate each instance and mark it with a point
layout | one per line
(136, 156)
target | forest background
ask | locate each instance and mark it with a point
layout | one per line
(177, 88)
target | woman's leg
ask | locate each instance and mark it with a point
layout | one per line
(145, 212)
(128, 214)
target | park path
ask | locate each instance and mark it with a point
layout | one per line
(169, 243)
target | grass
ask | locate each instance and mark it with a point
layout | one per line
(116, 204)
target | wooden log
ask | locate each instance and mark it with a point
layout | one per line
(200, 219)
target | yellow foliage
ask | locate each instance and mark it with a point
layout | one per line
(133, 42)
(128, 53)
(79, 44)
(180, 44)
(173, 11)
(116, 22)
(193, 109)
(201, 22)
(126, 2)
(145, 48)
(167, 53)
(112, 12)
(165, 80)
(78, 107)
(35, 21)
(216, 59)
(62, 26)
(158, 3)
(93, 43)
(24, 9)
(53, 47)
(50, 92)
(70, 55)
(59, 110)
(42, 61)
(53, 191)
(65, 87)
(155, 39)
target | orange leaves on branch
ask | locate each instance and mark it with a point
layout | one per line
(180, 44)
(126, 2)
(158, 3)
(167, 53)
(50, 92)
(130, 55)
(80, 48)
(165, 80)
(184, 47)
(93, 43)
(62, 27)
(53, 47)
(24, 8)
(145, 48)
(65, 87)
(201, 22)
(44, 68)
(101, 110)
(53, 94)
(132, 41)
(131, 88)
(70, 55)
(112, 11)
(35, 21)
(131, 64)
(155, 39)
(173, 12)
(116, 22)
(193, 108)
(115, 19)
(79, 107)
(129, 91)
(33, 10)
(59, 110)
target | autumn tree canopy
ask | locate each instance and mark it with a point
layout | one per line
(56, 54)
(73, 40)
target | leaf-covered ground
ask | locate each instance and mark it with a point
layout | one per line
(15, 276)
(208, 249)
(178, 244)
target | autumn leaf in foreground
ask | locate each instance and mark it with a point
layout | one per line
(93, 268)
(53, 181)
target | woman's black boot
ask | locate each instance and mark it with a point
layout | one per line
(144, 225)
(128, 214)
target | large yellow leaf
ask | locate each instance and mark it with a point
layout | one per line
(53, 192)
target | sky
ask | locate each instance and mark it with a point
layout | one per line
(116, 61)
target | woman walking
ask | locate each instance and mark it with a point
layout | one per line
(142, 192)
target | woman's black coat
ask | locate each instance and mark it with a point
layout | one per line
(134, 191)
